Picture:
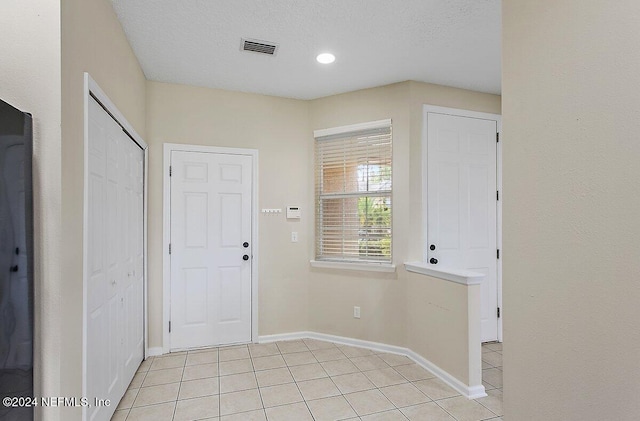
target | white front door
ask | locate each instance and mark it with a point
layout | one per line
(462, 203)
(210, 249)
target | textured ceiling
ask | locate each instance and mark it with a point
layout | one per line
(376, 42)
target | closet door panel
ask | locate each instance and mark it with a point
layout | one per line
(104, 265)
(115, 258)
(133, 279)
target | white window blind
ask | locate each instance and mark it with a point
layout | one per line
(354, 194)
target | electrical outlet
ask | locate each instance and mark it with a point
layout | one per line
(356, 312)
(294, 237)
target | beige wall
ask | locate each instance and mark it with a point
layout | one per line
(279, 129)
(30, 81)
(293, 296)
(383, 298)
(92, 41)
(438, 324)
(571, 78)
(333, 293)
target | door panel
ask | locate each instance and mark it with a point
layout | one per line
(132, 289)
(461, 202)
(115, 260)
(195, 291)
(210, 220)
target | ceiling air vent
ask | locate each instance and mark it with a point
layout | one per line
(257, 46)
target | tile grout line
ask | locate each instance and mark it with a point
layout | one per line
(336, 386)
(141, 383)
(255, 376)
(296, 382)
(219, 382)
(175, 408)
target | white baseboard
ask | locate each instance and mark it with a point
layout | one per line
(155, 351)
(470, 392)
(283, 337)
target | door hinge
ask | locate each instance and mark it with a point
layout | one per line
(169, 248)
(497, 195)
(497, 137)
(170, 321)
(170, 170)
(498, 312)
(498, 253)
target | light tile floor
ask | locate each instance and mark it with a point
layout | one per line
(302, 380)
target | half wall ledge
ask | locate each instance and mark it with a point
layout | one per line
(460, 276)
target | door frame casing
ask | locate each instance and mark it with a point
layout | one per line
(92, 89)
(166, 232)
(470, 114)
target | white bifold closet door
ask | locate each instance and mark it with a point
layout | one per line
(115, 258)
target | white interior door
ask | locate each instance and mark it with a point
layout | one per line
(210, 240)
(115, 311)
(462, 203)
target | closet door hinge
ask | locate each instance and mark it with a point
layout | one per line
(498, 313)
(170, 321)
(170, 170)
(498, 253)
(497, 137)
(497, 195)
(169, 248)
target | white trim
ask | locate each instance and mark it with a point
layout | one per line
(367, 267)
(470, 392)
(463, 113)
(353, 128)
(484, 116)
(111, 108)
(459, 276)
(499, 226)
(166, 233)
(166, 258)
(145, 245)
(91, 89)
(85, 236)
(265, 339)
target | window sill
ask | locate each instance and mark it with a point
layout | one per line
(460, 276)
(367, 267)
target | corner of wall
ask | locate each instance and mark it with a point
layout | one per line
(92, 40)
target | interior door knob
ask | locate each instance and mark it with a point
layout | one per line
(433, 261)
(245, 257)
(245, 244)
(432, 247)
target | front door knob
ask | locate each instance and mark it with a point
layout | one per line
(433, 261)
(245, 257)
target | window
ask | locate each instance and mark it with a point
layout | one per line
(354, 193)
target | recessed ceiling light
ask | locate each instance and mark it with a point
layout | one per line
(326, 58)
